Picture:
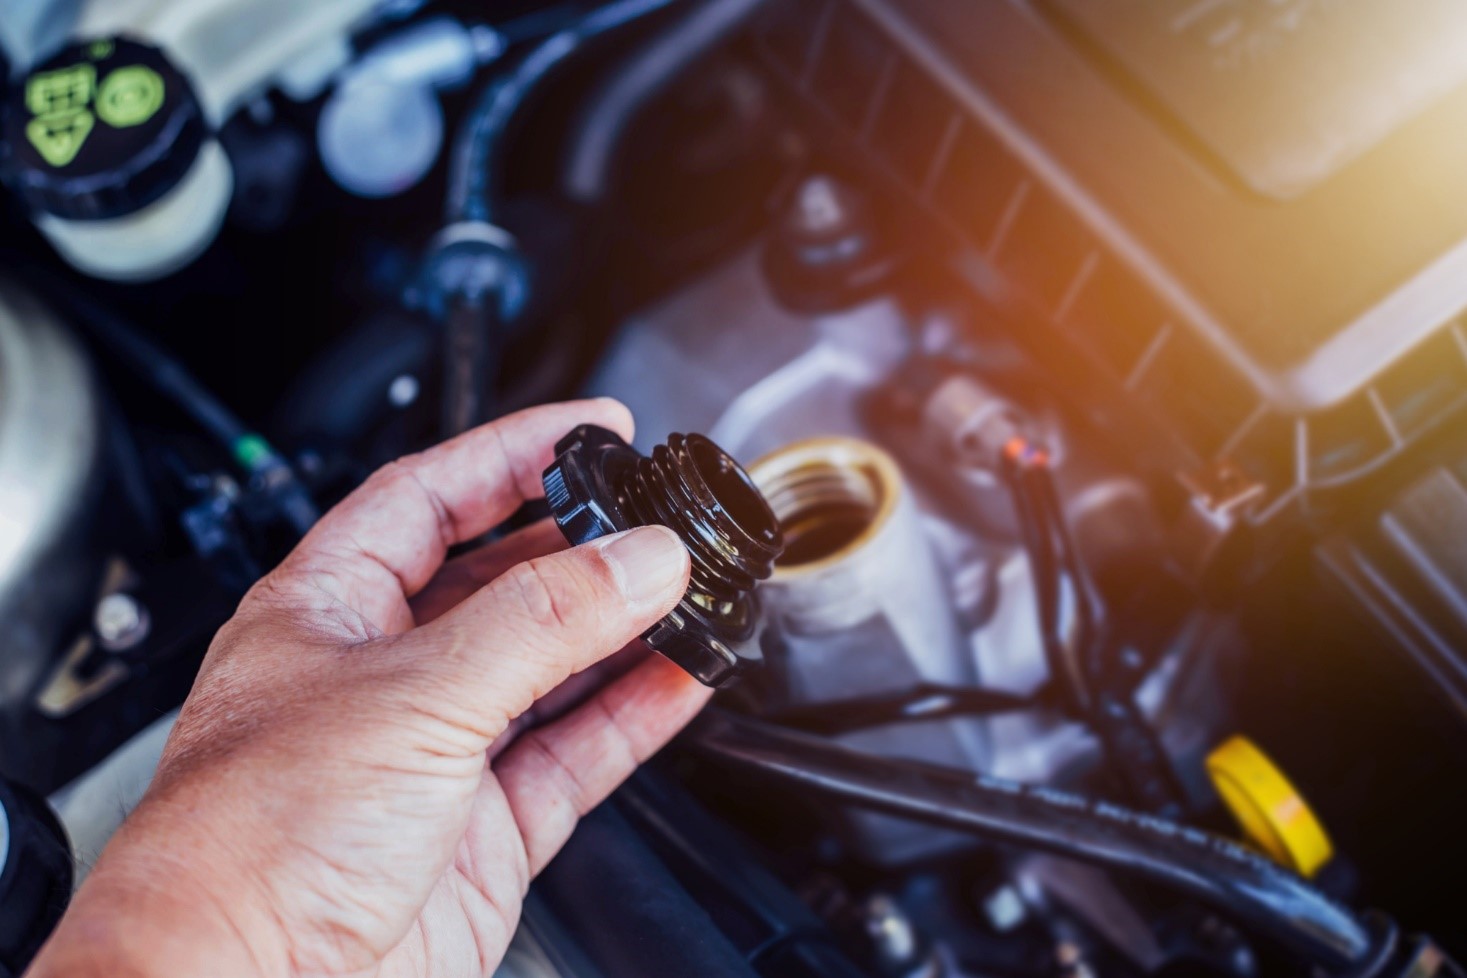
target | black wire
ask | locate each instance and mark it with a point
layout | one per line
(170, 378)
(1257, 894)
(1076, 644)
(156, 367)
(1088, 606)
(1055, 569)
(477, 161)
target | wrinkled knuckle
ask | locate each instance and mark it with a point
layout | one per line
(545, 595)
(269, 592)
(394, 473)
(562, 777)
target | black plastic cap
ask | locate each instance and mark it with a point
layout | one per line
(599, 485)
(101, 130)
(574, 490)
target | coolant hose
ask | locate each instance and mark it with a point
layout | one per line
(1263, 897)
(605, 120)
(470, 364)
(476, 162)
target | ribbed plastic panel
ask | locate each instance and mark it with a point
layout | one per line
(957, 159)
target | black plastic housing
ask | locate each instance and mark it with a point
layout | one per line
(1227, 278)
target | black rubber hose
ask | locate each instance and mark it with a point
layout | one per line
(476, 163)
(157, 368)
(608, 113)
(1263, 897)
(1062, 643)
(250, 450)
(470, 364)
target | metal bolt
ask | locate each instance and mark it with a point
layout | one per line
(820, 205)
(403, 390)
(1005, 909)
(890, 929)
(120, 621)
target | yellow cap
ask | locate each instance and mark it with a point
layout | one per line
(1270, 810)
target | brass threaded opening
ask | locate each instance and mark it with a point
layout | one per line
(830, 495)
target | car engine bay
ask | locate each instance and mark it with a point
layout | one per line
(1102, 364)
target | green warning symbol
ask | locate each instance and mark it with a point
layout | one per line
(130, 96)
(59, 137)
(65, 90)
(62, 103)
(58, 100)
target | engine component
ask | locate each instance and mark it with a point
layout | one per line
(50, 471)
(249, 449)
(827, 253)
(853, 547)
(607, 116)
(477, 282)
(858, 608)
(107, 144)
(111, 142)
(232, 49)
(1273, 814)
(1404, 568)
(378, 140)
(756, 376)
(1246, 886)
(35, 876)
(1077, 150)
(475, 275)
(759, 377)
(120, 622)
(695, 891)
(381, 130)
(600, 485)
(477, 162)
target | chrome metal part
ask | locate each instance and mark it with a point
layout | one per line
(50, 449)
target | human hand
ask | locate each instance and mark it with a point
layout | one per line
(327, 803)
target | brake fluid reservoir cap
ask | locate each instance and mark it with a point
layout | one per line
(1269, 809)
(101, 130)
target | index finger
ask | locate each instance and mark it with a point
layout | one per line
(383, 543)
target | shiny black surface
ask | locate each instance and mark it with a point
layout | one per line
(600, 485)
(1251, 890)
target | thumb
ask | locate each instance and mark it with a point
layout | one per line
(546, 619)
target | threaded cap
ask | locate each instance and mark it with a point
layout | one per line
(599, 485)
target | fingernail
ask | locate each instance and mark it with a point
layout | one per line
(647, 561)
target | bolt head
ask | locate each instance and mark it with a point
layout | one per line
(120, 621)
(403, 390)
(821, 206)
